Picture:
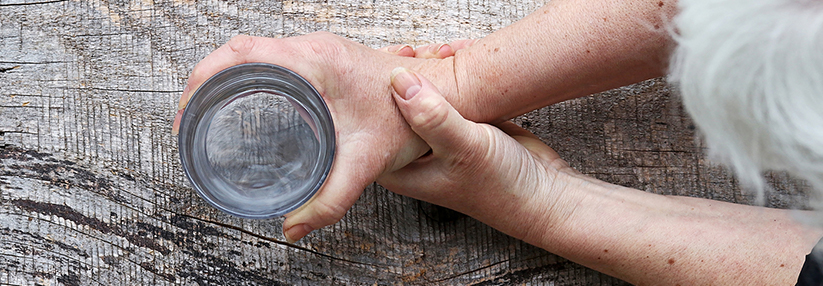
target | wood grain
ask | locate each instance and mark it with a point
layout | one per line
(91, 188)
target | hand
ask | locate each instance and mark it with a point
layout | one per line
(372, 137)
(501, 175)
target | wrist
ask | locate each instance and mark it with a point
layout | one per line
(556, 206)
(537, 207)
(449, 75)
(441, 73)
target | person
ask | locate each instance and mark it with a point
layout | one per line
(748, 70)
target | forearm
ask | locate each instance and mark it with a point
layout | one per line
(647, 239)
(566, 49)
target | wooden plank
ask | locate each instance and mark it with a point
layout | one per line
(91, 189)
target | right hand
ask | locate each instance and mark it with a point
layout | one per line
(372, 137)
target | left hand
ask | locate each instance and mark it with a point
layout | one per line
(502, 175)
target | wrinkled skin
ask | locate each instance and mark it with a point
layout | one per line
(475, 167)
(372, 137)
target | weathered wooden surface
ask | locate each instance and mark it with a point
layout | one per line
(91, 190)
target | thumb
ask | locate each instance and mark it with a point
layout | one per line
(428, 113)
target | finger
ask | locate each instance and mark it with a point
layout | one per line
(184, 99)
(434, 51)
(442, 51)
(175, 126)
(462, 44)
(236, 51)
(429, 114)
(400, 50)
(332, 201)
(419, 179)
(513, 130)
(529, 140)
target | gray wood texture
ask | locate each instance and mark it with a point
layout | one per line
(91, 188)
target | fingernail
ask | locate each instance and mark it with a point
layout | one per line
(175, 127)
(443, 49)
(297, 232)
(398, 48)
(184, 98)
(405, 83)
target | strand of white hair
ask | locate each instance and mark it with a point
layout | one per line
(750, 73)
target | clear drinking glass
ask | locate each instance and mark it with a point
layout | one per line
(256, 140)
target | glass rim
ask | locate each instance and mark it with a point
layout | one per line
(230, 84)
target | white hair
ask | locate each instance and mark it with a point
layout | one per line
(750, 73)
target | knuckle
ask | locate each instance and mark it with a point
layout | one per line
(321, 47)
(323, 34)
(324, 44)
(329, 213)
(433, 114)
(242, 45)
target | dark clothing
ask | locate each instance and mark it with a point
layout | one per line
(811, 274)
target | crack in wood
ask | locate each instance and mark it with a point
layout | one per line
(43, 167)
(69, 279)
(31, 3)
(2, 70)
(294, 246)
(69, 213)
(32, 62)
(79, 252)
(124, 90)
(508, 272)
